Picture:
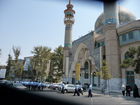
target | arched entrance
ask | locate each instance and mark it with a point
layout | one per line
(86, 73)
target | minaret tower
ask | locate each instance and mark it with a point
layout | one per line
(111, 22)
(68, 21)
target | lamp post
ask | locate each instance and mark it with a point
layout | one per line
(91, 78)
(73, 77)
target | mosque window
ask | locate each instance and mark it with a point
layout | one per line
(98, 44)
(130, 35)
(86, 75)
(123, 37)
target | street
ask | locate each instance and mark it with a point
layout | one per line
(97, 99)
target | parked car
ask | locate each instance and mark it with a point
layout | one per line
(6, 83)
(69, 88)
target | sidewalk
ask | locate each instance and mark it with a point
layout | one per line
(113, 94)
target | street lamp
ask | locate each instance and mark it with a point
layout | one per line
(73, 77)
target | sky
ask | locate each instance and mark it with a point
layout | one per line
(30, 23)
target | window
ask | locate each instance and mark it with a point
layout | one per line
(130, 35)
(123, 37)
(86, 75)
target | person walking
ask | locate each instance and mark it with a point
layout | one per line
(123, 89)
(62, 89)
(76, 91)
(80, 89)
(128, 90)
(90, 91)
(135, 91)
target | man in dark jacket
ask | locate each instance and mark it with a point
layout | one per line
(135, 91)
(128, 90)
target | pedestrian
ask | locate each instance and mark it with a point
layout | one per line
(123, 89)
(76, 91)
(90, 91)
(80, 89)
(63, 88)
(128, 90)
(135, 91)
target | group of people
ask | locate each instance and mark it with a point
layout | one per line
(79, 90)
(126, 90)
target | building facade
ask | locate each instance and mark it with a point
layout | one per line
(116, 30)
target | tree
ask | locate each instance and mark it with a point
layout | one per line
(56, 70)
(39, 61)
(16, 52)
(105, 74)
(17, 65)
(127, 63)
(132, 58)
(105, 71)
(8, 67)
(137, 61)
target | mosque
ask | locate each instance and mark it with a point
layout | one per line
(115, 31)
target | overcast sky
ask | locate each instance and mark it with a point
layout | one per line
(29, 23)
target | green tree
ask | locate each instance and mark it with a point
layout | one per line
(105, 71)
(39, 61)
(105, 74)
(8, 67)
(132, 58)
(16, 51)
(17, 65)
(137, 60)
(56, 70)
(127, 63)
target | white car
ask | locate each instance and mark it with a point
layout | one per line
(69, 88)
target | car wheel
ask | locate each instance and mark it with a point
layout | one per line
(66, 91)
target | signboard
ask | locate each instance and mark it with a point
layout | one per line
(2, 73)
(27, 64)
(78, 66)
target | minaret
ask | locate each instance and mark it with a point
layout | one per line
(68, 21)
(112, 43)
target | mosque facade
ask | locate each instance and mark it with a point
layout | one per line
(115, 31)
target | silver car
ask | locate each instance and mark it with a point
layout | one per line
(69, 88)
